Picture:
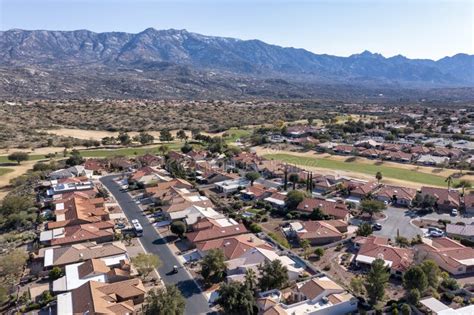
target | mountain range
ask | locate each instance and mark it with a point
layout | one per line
(188, 62)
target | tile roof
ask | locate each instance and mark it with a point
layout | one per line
(399, 192)
(444, 196)
(335, 209)
(84, 232)
(401, 258)
(315, 286)
(209, 229)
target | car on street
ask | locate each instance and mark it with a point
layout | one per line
(454, 212)
(436, 233)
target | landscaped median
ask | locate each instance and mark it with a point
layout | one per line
(364, 168)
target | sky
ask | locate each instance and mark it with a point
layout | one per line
(413, 28)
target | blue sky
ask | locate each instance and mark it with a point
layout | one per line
(414, 28)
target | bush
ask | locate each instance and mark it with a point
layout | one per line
(280, 240)
(448, 296)
(450, 284)
(255, 228)
(405, 308)
(327, 267)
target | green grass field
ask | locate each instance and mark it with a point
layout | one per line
(370, 169)
(4, 171)
(235, 134)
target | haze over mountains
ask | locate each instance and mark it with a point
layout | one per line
(158, 63)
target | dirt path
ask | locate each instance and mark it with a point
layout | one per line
(422, 169)
(99, 134)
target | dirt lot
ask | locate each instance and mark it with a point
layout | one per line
(99, 134)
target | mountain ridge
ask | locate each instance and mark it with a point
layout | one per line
(188, 60)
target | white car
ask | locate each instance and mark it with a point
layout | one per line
(436, 233)
(454, 212)
(134, 221)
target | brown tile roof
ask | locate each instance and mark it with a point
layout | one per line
(92, 267)
(366, 188)
(80, 208)
(233, 247)
(448, 250)
(444, 196)
(401, 258)
(275, 310)
(75, 253)
(318, 229)
(95, 297)
(85, 232)
(314, 287)
(208, 229)
(399, 192)
(335, 209)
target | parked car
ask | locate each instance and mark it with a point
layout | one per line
(377, 227)
(436, 233)
(454, 212)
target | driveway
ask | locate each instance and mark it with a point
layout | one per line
(155, 244)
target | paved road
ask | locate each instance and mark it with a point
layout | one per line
(398, 219)
(154, 243)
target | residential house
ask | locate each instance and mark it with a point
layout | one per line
(78, 208)
(398, 156)
(316, 296)
(460, 231)
(431, 160)
(73, 171)
(99, 232)
(277, 200)
(446, 200)
(335, 209)
(436, 307)
(344, 149)
(253, 258)
(319, 232)
(150, 160)
(399, 196)
(448, 254)
(93, 269)
(193, 213)
(234, 246)
(209, 229)
(469, 203)
(231, 186)
(396, 258)
(113, 253)
(94, 297)
(364, 190)
(255, 192)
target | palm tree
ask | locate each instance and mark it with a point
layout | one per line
(293, 178)
(251, 279)
(449, 180)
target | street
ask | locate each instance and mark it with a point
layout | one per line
(155, 244)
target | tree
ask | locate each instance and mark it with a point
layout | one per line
(74, 159)
(405, 308)
(164, 301)
(213, 266)
(124, 138)
(13, 203)
(319, 252)
(273, 275)
(306, 246)
(413, 296)
(463, 183)
(378, 176)
(357, 285)
(18, 157)
(165, 135)
(236, 299)
(294, 179)
(181, 134)
(12, 264)
(402, 241)
(293, 199)
(186, 148)
(372, 206)
(55, 273)
(415, 278)
(163, 149)
(145, 138)
(251, 279)
(432, 272)
(252, 176)
(317, 215)
(424, 202)
(365, 229)
(145, 263)
(449, 181)
(178, 228)
(376, 281)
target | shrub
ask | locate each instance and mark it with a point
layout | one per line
(327, 267)
(255, 228)
(280, 240)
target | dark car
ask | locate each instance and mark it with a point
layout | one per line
(377, 227)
